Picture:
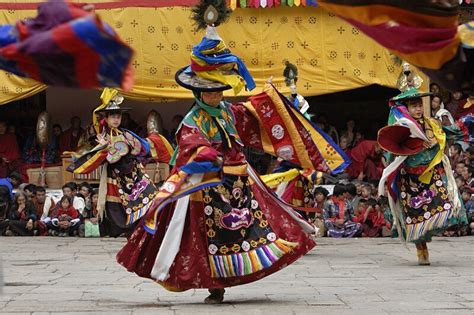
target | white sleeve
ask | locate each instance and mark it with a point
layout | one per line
(79, 204)
(47, 205)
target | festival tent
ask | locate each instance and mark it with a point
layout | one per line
(331, 55)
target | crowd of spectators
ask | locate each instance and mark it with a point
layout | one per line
(32, 212)
(354, 209)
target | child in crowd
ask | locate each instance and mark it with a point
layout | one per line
(320, 203)
(366, 191)
(64, 219)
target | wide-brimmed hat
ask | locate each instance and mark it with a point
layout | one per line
(213, 66)
(114, 105)
(189, 80)
(396, 139)
(403, 98)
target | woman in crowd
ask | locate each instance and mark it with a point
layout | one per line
(22, 216)
(338, 217)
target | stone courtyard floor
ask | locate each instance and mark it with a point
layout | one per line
(51, 275)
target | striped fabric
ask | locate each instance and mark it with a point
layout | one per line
(420, 32)
(245, 263)
(66, 46)
(289, 135)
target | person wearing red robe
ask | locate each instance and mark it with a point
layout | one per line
(70, 138)
(366, 161)
(10, 157)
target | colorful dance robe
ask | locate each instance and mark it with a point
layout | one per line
(217, 224)
(422, 192)
(126, 192)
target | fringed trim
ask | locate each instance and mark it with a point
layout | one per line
(245, 263)
(438, 221)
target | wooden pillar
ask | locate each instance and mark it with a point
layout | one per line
(427, 106)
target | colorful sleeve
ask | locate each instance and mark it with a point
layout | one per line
(160, 149)
(269, 122)
(89, 161)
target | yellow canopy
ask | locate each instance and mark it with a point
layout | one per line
(330, 54)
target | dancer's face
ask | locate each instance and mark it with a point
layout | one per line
(415, 108)
(212, 98)
(114, 120)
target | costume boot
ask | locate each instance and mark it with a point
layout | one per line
(216, 296)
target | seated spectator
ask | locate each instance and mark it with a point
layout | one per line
(328, 128)
(366, 191)
(338, 215)
(30, 190)
(12, 181)
(456, 155)
(44, 204)
(91, 226)
(457, 98)
(351, 195)
(366, 161)
(460, 182)
(320, 203)
(344, 144)
(467, 176)
(459, 169)
(10, 155)
(350, 133)
(438, 112)
(65, 219)
(70, 137)
(22, 217)
(373, 220)
(85, 191)
(70, 191)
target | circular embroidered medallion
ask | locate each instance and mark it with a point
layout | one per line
(245, 246)
(212, 249)
(254, 204)
(271, 237)
(208, 210)
(278, 132)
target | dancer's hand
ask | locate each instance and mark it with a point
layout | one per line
(101, 139)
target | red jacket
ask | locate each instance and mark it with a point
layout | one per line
(73, 213)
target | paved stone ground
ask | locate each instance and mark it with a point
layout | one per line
(359, 276)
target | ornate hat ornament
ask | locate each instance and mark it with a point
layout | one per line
(291, 77)
(213, 67)
(408, 78)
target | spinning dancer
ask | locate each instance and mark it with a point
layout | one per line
(216, 224)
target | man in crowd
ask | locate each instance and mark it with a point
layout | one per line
(43, 203)
(70, 138)
(10, 155)
(366, 161)
(70, 191)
